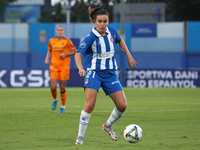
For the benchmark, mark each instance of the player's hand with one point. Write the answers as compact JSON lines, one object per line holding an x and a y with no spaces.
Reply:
{"x":132,"y":63}
{"x":63,"y":55}
{"x":46,"y":61}
{"x":82,"y":72}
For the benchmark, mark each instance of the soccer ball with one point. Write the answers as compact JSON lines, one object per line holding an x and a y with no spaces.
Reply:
{"x":133,"y":133}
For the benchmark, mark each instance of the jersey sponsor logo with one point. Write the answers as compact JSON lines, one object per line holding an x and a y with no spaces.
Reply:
{"x":83,"y":45}
{"x":58,"y":49}
{"x":105,"y":55}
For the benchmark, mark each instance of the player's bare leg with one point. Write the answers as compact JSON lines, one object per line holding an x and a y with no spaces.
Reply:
{"x":120,"y":103}
{"x":90,"y":100}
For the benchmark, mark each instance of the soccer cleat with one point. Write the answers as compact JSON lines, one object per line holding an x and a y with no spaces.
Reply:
{"x":110,"y":131}
{"x":62,"y":110}
{"x":54,"y":104}
{"x":79,"y":140}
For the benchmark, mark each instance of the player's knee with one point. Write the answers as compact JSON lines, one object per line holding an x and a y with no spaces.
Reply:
{"x":122,"y":107}
{"x":89,"y":107}
{"x":125,"y":107}
{"x":62,"y":89}
{"x":53,"y":89}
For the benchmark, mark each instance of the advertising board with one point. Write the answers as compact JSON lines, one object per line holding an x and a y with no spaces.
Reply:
{"x":19,"y":78}
{"x":163,"y":78}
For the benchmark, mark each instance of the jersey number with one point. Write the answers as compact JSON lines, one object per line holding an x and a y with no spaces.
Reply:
{"x":93,"y":74}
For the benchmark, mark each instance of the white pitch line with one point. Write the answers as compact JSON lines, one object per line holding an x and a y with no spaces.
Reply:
{"x":33,"y":106}
{"x":191,"y":103}
{"x":149,"y":102}
{"x":157,"y":102}
{"x":171,"y":110}
{"x":106,"y":111}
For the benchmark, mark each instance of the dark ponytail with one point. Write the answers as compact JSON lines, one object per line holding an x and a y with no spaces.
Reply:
{"x":93,"y":12}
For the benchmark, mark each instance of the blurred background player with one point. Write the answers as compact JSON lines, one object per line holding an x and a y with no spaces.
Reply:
{"x":60,"y":50}
{"x":100,"y":64}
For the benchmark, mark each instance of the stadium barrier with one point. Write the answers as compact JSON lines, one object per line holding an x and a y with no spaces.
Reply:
{"x":140,"y":78}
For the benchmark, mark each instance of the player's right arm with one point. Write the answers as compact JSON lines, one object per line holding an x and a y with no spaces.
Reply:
{"x":79,"y":64}
{"x":83,"y":47}
{"x":47,"y":57}
{"x":49,"y":53}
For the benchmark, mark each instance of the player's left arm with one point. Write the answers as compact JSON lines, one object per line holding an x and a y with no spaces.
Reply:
{"x":72,"y":51}
{"x":132,"y":63}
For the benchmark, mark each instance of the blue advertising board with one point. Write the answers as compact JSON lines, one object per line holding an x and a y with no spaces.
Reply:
{"x":144,"y":30}
{"x":134,"y":78}
{"x":40,"y":33}
{"x":34,"y":78}
{"x":28,"y":13}
{"x":193,"y":37}
{"x":163,"y":78}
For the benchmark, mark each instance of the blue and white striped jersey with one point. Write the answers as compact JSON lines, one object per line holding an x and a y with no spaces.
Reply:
{"x":99,"y":50}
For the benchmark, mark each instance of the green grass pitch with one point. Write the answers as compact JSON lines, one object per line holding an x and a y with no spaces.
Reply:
{"x":170,"y":119}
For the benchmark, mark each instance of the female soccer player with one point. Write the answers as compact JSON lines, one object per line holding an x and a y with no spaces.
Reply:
{"x":99,"y":70}
{"x":60,"y":50}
